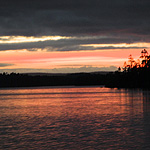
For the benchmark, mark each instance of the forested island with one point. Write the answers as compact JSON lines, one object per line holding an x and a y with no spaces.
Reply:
{"x":134,"y":74}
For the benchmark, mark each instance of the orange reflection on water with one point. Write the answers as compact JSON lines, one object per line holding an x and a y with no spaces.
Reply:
{"x":74,"y":118}
{"x":72,"y":101}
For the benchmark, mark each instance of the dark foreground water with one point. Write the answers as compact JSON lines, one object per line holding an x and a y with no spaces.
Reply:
{"x":74,"y":119}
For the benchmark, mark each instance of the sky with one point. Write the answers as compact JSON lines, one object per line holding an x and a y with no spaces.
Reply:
{"x":67,"y":36}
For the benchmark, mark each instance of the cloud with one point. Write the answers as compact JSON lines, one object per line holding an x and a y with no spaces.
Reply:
{"x":61,"y":70}
{"x":5,"y":64}
{"x":57,"y":17}
{"x":68,"y":43}
{"x":86,"y":22}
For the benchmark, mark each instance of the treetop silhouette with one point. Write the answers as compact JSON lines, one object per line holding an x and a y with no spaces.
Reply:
{"x":142,"y":62}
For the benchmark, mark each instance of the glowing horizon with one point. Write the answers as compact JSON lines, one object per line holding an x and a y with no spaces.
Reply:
{"x":51,"y":57}
{"x":65,"y":60}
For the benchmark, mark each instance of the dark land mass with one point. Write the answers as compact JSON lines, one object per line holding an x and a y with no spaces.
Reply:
{"x":44,"y":79}
{"x":134,"y":78}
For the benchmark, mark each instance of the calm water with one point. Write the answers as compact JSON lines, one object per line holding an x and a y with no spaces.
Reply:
{"x":74,"y":119}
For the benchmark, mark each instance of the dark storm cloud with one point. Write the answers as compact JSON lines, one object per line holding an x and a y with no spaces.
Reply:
{"x":75,"y":18}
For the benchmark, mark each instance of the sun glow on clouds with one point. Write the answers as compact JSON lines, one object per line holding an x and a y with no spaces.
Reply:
{"x":121,"y":45}
{"x":24,"y":39}
{"x":102,"y":55}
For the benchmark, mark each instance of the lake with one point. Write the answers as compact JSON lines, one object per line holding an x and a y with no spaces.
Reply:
{"x":74,"y":118}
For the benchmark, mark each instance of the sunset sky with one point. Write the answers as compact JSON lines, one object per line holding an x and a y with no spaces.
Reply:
{"x":65,"y":36}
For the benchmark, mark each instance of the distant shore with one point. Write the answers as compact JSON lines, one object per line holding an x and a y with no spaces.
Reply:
{"x":132,"y":79}
{"x":44,"y":79}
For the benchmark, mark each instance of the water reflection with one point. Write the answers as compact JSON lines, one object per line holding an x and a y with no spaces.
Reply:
{"x":74,"y":118}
